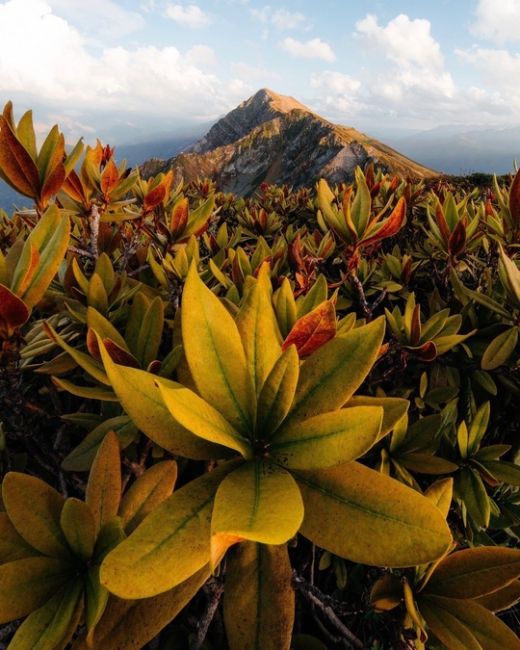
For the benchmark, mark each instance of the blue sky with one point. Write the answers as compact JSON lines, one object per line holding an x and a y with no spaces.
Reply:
{"x":129,"y":70}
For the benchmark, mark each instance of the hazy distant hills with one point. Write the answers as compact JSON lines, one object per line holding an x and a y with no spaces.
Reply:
{"x":453,"y":151}
{"x":276,"y":139}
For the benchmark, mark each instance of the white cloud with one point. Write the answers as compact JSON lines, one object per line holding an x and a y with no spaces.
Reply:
{"x":497,"y":20}
{"x":44,"y":60}
{"x":188,"y":15}
{"x":252,"y":73}
{"x":314,"y":48}
{"x":416,"y":63}
{"x":280,"y":19}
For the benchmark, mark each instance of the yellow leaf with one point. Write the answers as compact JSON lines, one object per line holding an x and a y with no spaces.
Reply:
{"x":79,"y":527}
{"x":103,"y":494}
{"x":258,"y":502}
{"x":148,"y":491}
{"x":53,"y":625}
{"x":277,"y":394}
{"x":131,"y":624}
{"x":256,"y":322}
{"x":12,"y":545}
{"x":441,"y":494}
{"x":142,"y":401}
{"x":199,"y":417}
{"x":501,"y":599}
{"x":169,"y":546}
{"x":50,"y":238}
{"x":258,"y":597}
{"x":367,"y":517}
{"x":88,"y":392}
{"x":28,"y":583}
{"x":330,"y":376}
{"x":447,"y":628}
{"x":328,"y":439}
{"x":474,"y":572}
{"x":215,"y":354}
{"x":34,"y":509}
{"x":488,"y":630}
{"x":394,"y":409}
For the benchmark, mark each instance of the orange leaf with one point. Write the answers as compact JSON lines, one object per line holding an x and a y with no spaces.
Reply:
{"x":159,"y":193}
{"x":16,"y":164}
{"x":179,"y":217}
{"x":392,"y":225}
{"x":74,"y":188}
{"x":29,"y":271}
{"x":312,"y":330}
{"x":13,"y":311}
{"x":52,"y":185}
{"x":109,"y":178}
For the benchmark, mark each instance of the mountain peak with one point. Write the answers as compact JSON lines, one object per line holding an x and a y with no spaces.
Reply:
{"x":264,"y":106}
{"x":279,"y":103}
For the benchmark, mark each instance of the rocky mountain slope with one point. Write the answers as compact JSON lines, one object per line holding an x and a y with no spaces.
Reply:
{"x":275,"y":139}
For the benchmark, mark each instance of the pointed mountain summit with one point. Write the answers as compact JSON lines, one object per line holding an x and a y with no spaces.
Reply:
{"x":273,"y":138}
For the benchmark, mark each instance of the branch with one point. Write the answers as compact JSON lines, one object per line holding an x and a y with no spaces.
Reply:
{"x":95,"y":218}
{"x":214,"y":589}
{"x":325,"y":604}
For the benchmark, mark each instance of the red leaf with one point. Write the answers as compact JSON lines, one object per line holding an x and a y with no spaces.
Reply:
{"x":313,"y":330}
{"x":74,"y":188}
{"x":427,"y":351}
{"x":457,"y":240}
{"x":120,"y":356}
{"x":158,"y":194}
{"x":53,"y":184}
{"x":13,"y":311}
{"x":442,"y":223}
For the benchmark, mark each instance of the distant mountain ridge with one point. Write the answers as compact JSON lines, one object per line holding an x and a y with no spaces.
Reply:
{"x":276,"y":139}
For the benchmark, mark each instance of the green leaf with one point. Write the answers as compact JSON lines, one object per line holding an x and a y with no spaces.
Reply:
{"x":503,"y":471}
{"x":141,"y":399}
{"x":28,"y":583}
{"x":256,"y":322}
{"x":472,"y":491}
{"x":258,"y":597}
{"x":87,"y":392}
{"x":258,"y":502}
{"x":150,"y":333}
{"x":332,"y":374}
{"x":148,"y":491}
{"x":215,"y":354}
{"x":277,"y":394}
{"x":500,"y":349}
{"x":34,"y":509}
{"x":53,"y":625}
{"x":81,"y":457}
{"x":103,"y":493}
{"x":474,"y":572}
{"x":367,"y":517}
{"x":328,"y":439}
{"x":478,"y":428}
{"x":170,"y":545}
{"x":199,"y":417}
{"x":79,"y":527}
{"x":488,"y":630}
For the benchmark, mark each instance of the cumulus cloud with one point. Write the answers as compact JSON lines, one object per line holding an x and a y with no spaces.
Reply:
{"x":314,"y":48}
{"x":410,"y":46}
{"x":497,"y":21}
{"x":280,"y":19}
{"x":46,"y":60}
{"x":188,"y":15}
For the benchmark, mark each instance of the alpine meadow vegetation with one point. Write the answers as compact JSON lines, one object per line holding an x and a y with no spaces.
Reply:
{"x":286,"y":421}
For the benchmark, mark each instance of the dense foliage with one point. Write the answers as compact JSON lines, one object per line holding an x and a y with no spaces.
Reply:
{"x":286,"y":421}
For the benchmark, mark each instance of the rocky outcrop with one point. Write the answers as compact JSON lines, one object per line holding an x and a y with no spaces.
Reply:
{"x":275,"y":139}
